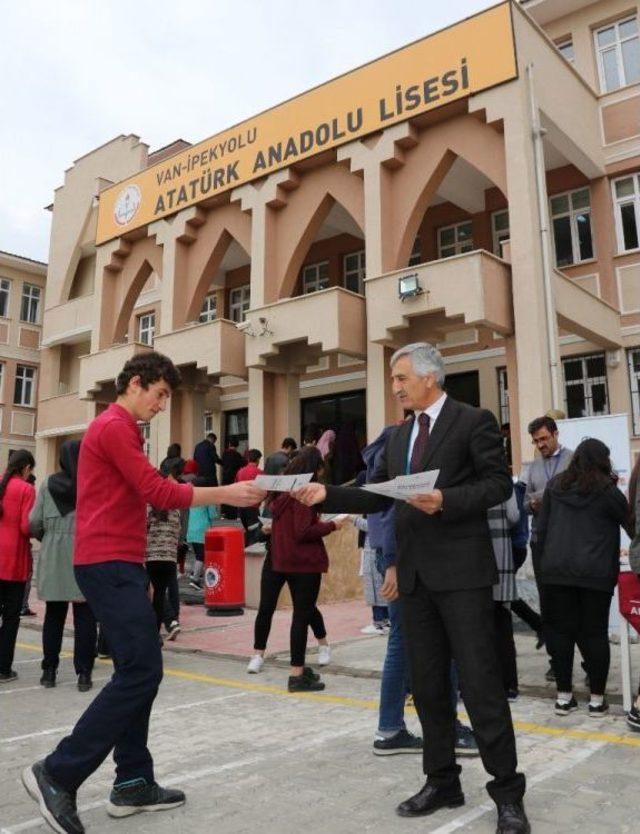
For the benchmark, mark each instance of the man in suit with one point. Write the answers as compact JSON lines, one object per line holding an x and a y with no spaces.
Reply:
{"x":445,"y":573}
{"x":206,"y":456}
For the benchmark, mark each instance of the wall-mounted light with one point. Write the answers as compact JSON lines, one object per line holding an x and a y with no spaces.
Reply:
{"x":409,"y":286}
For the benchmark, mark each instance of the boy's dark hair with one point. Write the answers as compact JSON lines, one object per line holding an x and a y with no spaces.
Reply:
{"x":543,"y":423}
{"x":308,"y":460}
{"x":233,"y":442}
{"x":150,"y":367}
{"x":289,"y":443}
{"x":254,"y":455}
{"x":213,"y":437}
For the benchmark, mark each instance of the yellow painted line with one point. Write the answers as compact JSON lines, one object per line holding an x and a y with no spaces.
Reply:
{"x":361,"y":703}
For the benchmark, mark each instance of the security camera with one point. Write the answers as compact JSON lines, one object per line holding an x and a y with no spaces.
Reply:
{"x":243,"y":325}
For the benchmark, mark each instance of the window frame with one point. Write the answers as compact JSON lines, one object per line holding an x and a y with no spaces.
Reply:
{"x":238,"y":308}
{"x":588,"y":382}
{"x":6,"y":290}
{"x":617,"y":45}
{"x":415,"y":258}
{"x":573,"y":225}
{"x":503,"y":395}
{"x":145,"y":431}
{"x":563,"y":44}
{"x":205,"y":314}
{"x":310,"y":277}
{"x":360,"y":271}
{"x":635,"y":394}
{"x":496,"y":240}
{"x":617,"y":210}
{"x":32,"y":382}
{"x":31,"y":293}
{"x":457,"y":244}
{"x":150,"y":328}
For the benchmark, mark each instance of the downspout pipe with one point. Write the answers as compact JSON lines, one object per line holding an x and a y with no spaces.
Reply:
{"x":537,"y":132}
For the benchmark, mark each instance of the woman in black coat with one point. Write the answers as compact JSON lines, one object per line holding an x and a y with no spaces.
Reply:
{"x":579,"y":538}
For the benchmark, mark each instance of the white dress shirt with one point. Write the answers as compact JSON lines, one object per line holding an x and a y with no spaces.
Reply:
{"x":433,"y":412}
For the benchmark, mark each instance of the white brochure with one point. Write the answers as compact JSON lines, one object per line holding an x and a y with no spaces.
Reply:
{"x":282,"y":483}
{"x":406,"y":486}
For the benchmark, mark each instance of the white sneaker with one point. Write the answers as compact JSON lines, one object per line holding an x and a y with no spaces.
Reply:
{"x":255,"y":664}
{"x":324,"y":655}
{"x":373,"y":628}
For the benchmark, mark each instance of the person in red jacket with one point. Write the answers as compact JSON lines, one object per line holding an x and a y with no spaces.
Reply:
{"x":115,"y":484}
{"x":298,"y":552}
{"x":17,"y":497}
{"x":250,"y":516}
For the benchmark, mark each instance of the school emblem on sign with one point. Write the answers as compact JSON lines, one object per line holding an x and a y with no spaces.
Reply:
{"x":127,"y":205}
{"x":212,"y":577}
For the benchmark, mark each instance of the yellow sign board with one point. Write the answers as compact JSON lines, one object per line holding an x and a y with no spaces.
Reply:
{"x":470,"y":56}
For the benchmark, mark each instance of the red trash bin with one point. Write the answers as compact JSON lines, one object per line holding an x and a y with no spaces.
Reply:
{"x":224,"y":571}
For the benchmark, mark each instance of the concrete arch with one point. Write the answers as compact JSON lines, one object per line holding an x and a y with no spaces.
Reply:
{"x":307,"y":208}
{"x":203,"y":256}
{"x":123,"y":285}
{"x":416,"y":182}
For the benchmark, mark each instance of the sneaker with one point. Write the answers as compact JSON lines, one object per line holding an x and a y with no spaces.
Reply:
{"x":7,"y":677}
{"x":373,"y":628}
{"x":173,"y":630}
{"x":138,"y":795}
{"x":57,"y":806}
{"x":104,"y":655}
{"x":565,"y":707}
{"x":48,"y":678}
{"x":633,"y":719}
{"x":303,"y":683}
{"x":309,"y":673}
{"x":324,"y":655}
{"x":466,"y":744}
{"x":596,"y":710}
{"x":196,"y":584}
{"x":84,"y":682}
{"x":402,"y":742}
{"x":512,"y":695}
{"x":255,"y":665}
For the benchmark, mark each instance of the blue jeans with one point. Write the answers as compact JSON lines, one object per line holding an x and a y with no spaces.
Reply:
{"x":118,"y":718}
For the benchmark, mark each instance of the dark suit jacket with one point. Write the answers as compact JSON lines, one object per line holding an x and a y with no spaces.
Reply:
{"x":450,"y":550}
{"x":206,"y":456}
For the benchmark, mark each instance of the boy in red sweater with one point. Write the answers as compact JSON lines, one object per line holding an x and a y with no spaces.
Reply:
{"x":115,"y":484}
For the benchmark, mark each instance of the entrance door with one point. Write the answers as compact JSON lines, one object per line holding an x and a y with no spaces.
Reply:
{"x":346,"y":414}
{"x":464,"y":387}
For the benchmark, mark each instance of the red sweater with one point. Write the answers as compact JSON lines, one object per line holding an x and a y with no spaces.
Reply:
{"x":15,"y":555}
{"x":115,"y":484}
{"x":296,"y":537}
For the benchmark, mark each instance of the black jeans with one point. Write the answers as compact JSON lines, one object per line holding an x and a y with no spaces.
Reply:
{"x":11,"y":594}
{"x":85,"y":633}
{"x":506,"y":646}
{"x":304,"y":588}
{"x":160,"y":574}
{"x":118,"y":718}
{"x":440,"y":626}
{"x":271,"y":583}
{"x":578,"y":616}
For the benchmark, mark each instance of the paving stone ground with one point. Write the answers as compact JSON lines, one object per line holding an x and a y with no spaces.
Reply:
{"x":253,"y":758}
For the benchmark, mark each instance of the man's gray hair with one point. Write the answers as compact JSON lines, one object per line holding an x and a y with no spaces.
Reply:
{"x":425,"y":359}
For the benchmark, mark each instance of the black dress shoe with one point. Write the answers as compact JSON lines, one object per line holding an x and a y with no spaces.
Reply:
{"x":84,"y":682}
{"x":430,"y":799}
{"x":48,"y":679}
{"x":512,"y":819}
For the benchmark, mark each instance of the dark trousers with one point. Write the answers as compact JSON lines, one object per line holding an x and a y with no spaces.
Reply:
{"x":172,"y":601}
{"x":304,"y":588}
{"x":439,"y":625}
{"x":578,"y":616}
{"x":118,"y":718}
{"x":84,"y":635}
{"x":160,"y":575}
{"x":11,"y":594}
{"x":271,"y":583}
{"x":506,"y":645}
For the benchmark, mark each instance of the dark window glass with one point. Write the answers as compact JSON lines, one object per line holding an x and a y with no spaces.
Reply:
{"x":596,"y":366}
{"x":464,"y":387}
{"x":584,"y":236}
{"x":576,"y":401}
{"x":572,"y":370}
{"x":562,"y":237}
{"x":629,"y":228}
{"x":599,"y":398}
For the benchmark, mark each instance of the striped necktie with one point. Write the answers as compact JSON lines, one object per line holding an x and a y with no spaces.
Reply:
{"x":420,"y":443}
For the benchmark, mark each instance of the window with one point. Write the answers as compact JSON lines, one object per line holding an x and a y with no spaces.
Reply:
{"x":145,"y":431}
{"x":24,"y":389}
{"x":415,"y":257}
{"x":236,"y":424}
{"x":503,"y":395}
{"x":571,"y":217}
{"x":454,"y":240}
{"x":147,"y":328}
{"x":209,"y":308}
{"x":239,"y":301}
{"x":626,"y":198}
{"x":207,"y":423}
{"x":618,"y":51}
{"x":585,"y":385}
{"x":354,"y":272}
{"x":499,"y":231}
{"x":5,"y":289}
{"x":30,"y":309}
{"x":565,"y":48}
{"x":633,"y":360}
{"x":315,"y":277}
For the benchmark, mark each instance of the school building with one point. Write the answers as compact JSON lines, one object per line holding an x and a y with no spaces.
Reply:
{"x":478,"y":188}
